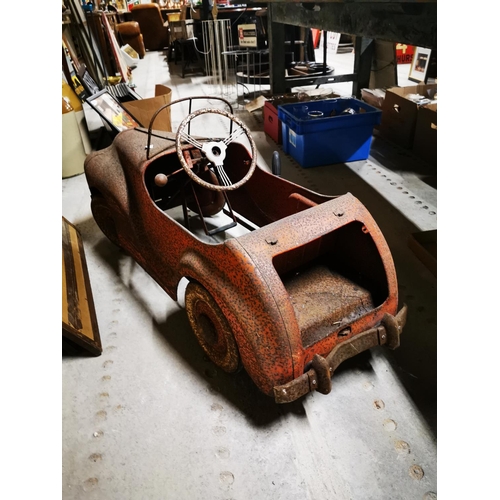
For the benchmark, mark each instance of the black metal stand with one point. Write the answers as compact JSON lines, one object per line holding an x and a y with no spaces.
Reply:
{"x":228,"y":211}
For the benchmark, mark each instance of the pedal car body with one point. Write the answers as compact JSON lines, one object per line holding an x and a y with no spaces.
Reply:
{"x":308,"y":283}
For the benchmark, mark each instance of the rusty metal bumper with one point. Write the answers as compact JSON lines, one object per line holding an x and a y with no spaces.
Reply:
{"x":318,"y":378}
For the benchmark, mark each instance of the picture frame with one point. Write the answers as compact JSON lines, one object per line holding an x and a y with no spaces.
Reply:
{"x":420,"y":65}
{"x":112,"y":112}
{"x":79,"y":322}
{"x":115,"y":49}
{"x":89,"y":84}
{"x":121,"y":5}
{"x":123,"y":92}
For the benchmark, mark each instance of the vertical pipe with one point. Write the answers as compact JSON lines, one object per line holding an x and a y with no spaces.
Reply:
{"x":224,"y":48}
{"x":325,"y":36}
{"x":276,"y":41}
{"x":218,"y":50}
{"x":190,"y":107}
{"x":363,"y":55}
{"x":212,"y":48}
{"x":248,"y":69}
{"x":206,"y":48}
{"x":260,"y":72}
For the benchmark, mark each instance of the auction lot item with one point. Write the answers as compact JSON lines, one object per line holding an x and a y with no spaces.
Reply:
{"x":307,"y":282}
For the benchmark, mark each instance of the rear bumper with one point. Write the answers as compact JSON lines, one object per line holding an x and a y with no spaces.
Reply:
{"x":318,"y":378}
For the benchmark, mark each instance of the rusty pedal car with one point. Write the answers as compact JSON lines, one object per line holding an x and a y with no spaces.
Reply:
{"x":308,"y":283}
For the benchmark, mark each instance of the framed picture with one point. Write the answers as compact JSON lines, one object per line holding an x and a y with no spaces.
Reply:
{"x":121,"y":5}
{"x":112,"y":112}
{"x":420,"y":65}
{"x":79,"y":321}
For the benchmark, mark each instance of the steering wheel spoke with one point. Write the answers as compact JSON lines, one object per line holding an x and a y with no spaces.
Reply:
{"x":191,"y":140}
{"x":215,"y":151}
{"x":233,"y":136}
{"x":223,"y":177}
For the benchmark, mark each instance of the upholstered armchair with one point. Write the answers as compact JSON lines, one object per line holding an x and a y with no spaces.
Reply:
{"x":154,"y":33}
{"x":130,"y":33}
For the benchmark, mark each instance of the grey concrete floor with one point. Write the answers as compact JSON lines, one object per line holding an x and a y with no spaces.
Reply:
{"x":152,"y":418}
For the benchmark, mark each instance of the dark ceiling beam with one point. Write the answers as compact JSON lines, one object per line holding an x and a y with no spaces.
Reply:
{"x":346,"y":1}
{"x":412,"y":23}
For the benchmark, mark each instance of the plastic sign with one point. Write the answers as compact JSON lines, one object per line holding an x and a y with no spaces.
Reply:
{"x":404,"y":53}
{"x":247,"y":35}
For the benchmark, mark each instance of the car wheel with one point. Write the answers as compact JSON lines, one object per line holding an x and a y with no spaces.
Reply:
{"x":104,"y":219}
{"x":211,"y":328}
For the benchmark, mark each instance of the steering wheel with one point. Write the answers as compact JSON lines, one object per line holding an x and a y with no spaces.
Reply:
{"x":214,"y":150}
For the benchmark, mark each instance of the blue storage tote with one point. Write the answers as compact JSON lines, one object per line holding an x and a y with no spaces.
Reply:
{"x":317,"y":133}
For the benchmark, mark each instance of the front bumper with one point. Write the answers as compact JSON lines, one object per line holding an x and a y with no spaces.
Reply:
{"x":318,"y":378}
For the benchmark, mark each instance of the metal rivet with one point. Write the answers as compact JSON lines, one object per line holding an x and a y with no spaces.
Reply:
{"x":383,"y":336}
{"x":416,"y":472}
{"x":284,"y":391}
{"x":314,"y":382}
{"x":150,"y":147}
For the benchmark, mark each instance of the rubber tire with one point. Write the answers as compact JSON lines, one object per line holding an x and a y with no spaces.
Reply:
{"x":211,"y":328}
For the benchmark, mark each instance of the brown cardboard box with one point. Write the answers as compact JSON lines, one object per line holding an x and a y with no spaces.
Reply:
{"x":425,"y":140}
{"x":144,"y":109}
{"x":399,"y":114}
{"x":373,"y":97}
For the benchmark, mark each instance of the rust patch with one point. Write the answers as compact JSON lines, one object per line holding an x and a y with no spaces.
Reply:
{"x":323,"y":301}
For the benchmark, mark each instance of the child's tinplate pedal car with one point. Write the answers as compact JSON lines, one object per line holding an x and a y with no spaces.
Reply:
{"x":308,"y":282}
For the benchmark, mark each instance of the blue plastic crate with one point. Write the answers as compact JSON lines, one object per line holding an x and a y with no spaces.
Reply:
{"x":317,"y":133}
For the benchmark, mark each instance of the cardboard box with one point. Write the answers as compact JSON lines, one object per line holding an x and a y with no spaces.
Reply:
{"x":399,"y":113}
{"x":425,"y":139}
{"x":144,"y":109}
{"x":373,"y":97}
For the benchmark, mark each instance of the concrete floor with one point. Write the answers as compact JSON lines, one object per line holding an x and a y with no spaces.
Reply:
{"x":152,"y":418}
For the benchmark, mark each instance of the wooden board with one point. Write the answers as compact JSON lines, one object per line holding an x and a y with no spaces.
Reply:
{"x":79,"y":322}
{"x":119,"y":59}
{"x":424,"y":245}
